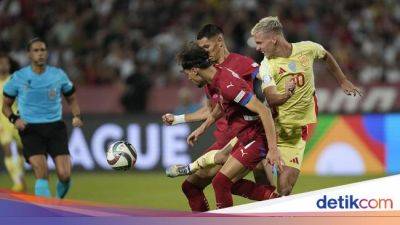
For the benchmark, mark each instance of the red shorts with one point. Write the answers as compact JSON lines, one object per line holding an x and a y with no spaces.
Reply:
{"x":251,"y":153}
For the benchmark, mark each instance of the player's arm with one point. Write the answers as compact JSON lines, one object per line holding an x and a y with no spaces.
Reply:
{"x":265,"y":115}
{"x":274,"y":98}
{"x":215,"y":114}
{"x":334,"y":68}
{"x":75,"y":109}
{"x":199,"y":115}
{"x":8,"y":101}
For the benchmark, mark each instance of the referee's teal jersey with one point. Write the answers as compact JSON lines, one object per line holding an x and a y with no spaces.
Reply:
{"x":39,"y":95}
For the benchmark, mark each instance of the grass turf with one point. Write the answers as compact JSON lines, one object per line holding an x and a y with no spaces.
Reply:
{"x":153,"y":189}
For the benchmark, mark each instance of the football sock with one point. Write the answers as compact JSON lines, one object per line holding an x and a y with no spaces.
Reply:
{"x":203,"y":161}
{"x":42,"y":188}
{"x":251,"y":190}
{"x":222,"y":188}
{"x":62,"y":188}
{"x":197,"y":199}
{"x":14,"y":169}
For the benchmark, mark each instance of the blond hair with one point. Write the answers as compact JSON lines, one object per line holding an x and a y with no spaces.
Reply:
{"x":268,"y":24}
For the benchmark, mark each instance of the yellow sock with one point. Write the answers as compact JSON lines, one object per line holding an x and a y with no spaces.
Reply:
{"x":204,"y":161}
{"x":13,"y":169}
{"x":19,"y":167}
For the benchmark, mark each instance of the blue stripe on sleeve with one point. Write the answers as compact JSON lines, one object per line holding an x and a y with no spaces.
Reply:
{"x":255,"y":72}
{"x":246,"y":99}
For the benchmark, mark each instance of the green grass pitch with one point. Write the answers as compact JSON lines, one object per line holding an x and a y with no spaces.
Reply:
{"x":153,"y":189}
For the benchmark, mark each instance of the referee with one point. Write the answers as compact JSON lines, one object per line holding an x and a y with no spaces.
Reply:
{"x":38,"y":88}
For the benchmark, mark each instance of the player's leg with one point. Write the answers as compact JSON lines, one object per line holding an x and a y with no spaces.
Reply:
{"x":263,"y":173}
{"x":291,"y":143}
{"x":287,"y":179}
{"x":63,"y":168}
{"x":229,"y":178}
{"x":34,"y":149}
{"x":20,"y":171}
{"x":194,"y":185}
{"x":214,"y":156}
{"x":58,"y":149}
{"x":39,"y":166}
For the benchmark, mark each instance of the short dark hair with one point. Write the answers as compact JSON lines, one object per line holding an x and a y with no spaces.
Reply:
{"x":209,"y":31}
{"x":32,"y":41}
{"x":193,"y":56}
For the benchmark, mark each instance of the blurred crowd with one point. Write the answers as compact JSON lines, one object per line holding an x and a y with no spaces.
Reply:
{"x":134,"y":42}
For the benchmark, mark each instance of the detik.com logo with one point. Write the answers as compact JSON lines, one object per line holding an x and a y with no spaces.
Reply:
{"x":351,"y":202}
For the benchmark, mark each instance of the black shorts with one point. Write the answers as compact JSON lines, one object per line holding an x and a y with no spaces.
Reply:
{"x":45,"y":138}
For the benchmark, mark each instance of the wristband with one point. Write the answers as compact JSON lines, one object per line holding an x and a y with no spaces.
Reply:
{"x":179,"y":119}
{"x":12,"y":118}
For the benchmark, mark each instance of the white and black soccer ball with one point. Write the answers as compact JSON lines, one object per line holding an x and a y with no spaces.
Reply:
{"x":121,"y":155}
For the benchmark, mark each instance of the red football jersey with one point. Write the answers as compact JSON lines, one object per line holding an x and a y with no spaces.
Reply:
{"x":234,"y":93}
{"x":246,"y":68}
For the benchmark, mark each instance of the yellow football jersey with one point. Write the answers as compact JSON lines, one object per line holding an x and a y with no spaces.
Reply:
{"x":299,"y":110}
{"x":14,"y":107}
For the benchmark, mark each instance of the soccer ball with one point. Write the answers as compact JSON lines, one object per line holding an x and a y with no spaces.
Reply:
{"x":121,"y":155}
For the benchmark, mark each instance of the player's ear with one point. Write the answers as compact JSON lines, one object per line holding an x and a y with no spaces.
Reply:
{"x":220,"y":40}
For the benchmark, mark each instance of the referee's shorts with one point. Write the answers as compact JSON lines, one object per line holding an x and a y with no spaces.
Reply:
{"x":45,"y":138}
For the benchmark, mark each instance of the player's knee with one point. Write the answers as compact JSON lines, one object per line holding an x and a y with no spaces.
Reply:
{"x":188,"y":188}
{"x":285,"y":189}
{"x":220,"y":158}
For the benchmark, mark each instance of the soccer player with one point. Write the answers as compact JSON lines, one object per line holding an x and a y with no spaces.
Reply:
{"x":8,"y":134}
{"x":210,"y":37}
{"x":249,"y":120}
{"x":293,"y":61}
{"x":38,"y":88}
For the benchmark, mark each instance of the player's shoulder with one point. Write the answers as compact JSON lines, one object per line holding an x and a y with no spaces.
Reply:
{"x":56,"y":70}
{"x":304,"y":45}
{"x":21,"y":73}
{"x":244,"y":60}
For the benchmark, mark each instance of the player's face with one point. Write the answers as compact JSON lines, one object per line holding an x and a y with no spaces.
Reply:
{"x":4,"y":66}
{"x":212,"y":45}
{"x":265,"y":43}
{"x":193,"y":75}
{"x":38,"y":53}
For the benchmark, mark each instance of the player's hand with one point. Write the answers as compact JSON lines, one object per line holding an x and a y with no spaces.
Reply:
{"x":77,"y":122}
{"x":168,"y":119}
{"x":194,"y":136}
{"x":350,"y":89}
{"x":290,"y":85}
{"x":20,"y":124}
{"x":274,"y":158}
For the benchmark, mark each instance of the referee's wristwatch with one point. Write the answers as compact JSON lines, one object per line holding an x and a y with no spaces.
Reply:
{"x":13,"y":118}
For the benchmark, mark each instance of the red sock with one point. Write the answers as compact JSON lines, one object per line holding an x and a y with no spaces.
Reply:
{"x":195,"y":196}
{"x":251,"y":190}
{"x":222,"y":188}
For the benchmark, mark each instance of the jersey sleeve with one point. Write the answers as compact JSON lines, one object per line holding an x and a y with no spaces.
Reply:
{"x":66,"y":85}
{"x":265,"y":75}
{"x":317,"y":50}
{"x":10,"y":88}
{"x":236,"y":90}
{"x":249,"y":68}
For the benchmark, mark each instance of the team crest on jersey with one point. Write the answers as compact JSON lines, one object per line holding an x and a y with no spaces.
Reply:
{"x":303,"y":60}
{"x":292,"y":66}
{"x":52,"y":93}
{"x":266,"y":79}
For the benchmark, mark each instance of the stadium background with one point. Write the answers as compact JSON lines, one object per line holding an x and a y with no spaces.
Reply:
{"x":120,"y":54}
